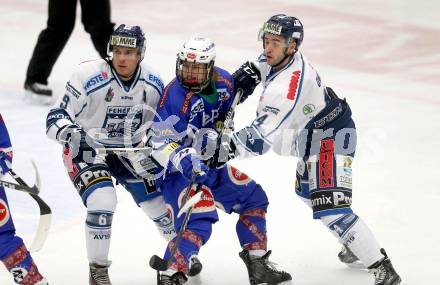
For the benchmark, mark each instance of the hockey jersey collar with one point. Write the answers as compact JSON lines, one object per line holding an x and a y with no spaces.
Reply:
{"x":119,"y":81}
{"x":271,"y":75}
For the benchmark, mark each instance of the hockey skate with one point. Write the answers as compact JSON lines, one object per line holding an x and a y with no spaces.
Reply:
{"x":262,"y":271}
{"x":195,"y":266}
{"x":99,"y":274}
{"x":177,"y":278}
{"x":37,"y":89}
{"x":384,"y":273}
{"x":349,"y":258}
{"x":37,"y":93}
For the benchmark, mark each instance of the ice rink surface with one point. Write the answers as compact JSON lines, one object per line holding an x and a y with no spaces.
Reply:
{"x":383,"y":56}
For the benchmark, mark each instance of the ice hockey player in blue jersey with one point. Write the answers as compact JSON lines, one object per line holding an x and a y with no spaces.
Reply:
{"x":13,"y":252}
{"x":298,"y":115}
{"x":108,"y":103}
{"x":192,"y":108}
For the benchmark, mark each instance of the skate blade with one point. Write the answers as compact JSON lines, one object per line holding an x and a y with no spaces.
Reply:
{"x":288,"y":282}
{"x":37,"y":99}
{"x":356,"y":265}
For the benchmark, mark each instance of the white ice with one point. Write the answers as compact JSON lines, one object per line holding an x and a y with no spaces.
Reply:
{"x":383,"y":56}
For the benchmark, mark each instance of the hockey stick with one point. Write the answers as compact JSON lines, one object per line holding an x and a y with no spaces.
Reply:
{"x":161,"y":264}
{"x":45,"y":211}
{"x":18,"y":187}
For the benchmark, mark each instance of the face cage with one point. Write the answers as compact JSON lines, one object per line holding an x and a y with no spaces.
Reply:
{"x":194,"y":85}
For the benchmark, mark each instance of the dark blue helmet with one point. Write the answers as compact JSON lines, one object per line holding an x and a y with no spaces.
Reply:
{"x":287,"y":26}
{"x":128,"y":36}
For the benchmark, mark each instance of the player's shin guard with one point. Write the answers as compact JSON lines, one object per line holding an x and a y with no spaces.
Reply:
{"x":21,"y":265}
{"x":100,"y":207}
{"x":251,"y":231}
{"x":156,"y":210}
{"x":355,"y":234}
{"x":197,"y":233}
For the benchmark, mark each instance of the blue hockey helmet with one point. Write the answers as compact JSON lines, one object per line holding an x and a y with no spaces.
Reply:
{"x":288,"y":27}
{"x":127,"y":36}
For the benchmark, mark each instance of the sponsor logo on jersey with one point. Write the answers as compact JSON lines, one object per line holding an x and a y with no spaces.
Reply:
{"x":206,"y":204}
{"x":123,"y":41}
{"x":293,"y":85}
{"x":223,"y":94}
{"x":95,"y":80}
{"x":110,"y":94}
{"x":4,"y":213}
{"x":238,"y":177}
{"x":309,"y":108}
{"x":326,"y":164}
{"x":156,"y":80}
{"x":197,"y":107}
{"x":72,"y":90}
{"x":324,"y":200}
{"x":90,"y":177}
{"x":126,"y":98}
{"x":272,"y":110}
{"x":329,"y":117}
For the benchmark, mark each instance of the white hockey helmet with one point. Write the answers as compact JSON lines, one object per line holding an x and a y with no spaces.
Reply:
{"x":195,"y":63}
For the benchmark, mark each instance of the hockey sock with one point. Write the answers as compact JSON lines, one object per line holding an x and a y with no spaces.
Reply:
{"x":355,"y":234}
{"x":100,"y":207}
{"x":251,"y":230}
{"x":156,"y":210}
{"x":22,"y":267}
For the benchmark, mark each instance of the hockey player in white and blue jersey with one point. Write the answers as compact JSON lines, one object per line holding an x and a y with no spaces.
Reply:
{"x":298,"y":115}
{"x":109,"y":103}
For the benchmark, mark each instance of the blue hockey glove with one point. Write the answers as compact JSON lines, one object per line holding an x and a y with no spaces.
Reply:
{"x":189,"y":163}
{"x":246,"y":78}
{"x":74,"y":137}
{"x":5,"y":162}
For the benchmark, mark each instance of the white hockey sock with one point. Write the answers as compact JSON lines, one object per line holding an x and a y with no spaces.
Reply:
{"x":354,"y":233}
{"x":100,"y":207}
{"x":157,"y":211}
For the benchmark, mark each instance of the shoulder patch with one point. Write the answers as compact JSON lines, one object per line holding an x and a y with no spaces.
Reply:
{"x":221,"y":79}
{"x":95,"y":80}
{"x":155,"y":80}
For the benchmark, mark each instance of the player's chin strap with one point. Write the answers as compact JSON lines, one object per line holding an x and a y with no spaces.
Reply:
{"x":45,"y":211}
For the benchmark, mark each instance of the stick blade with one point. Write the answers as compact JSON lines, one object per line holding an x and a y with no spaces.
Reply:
{"x":158,"y":263}
{"x":42,"y":232}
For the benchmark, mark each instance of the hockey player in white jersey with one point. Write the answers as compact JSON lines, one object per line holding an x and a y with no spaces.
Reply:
{"x":109,"y":103}
{"x":298,"y":115}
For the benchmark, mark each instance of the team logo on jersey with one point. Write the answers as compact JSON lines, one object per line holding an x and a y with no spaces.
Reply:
{"x":110,"y":94}
{"x":122,"y":120}
{"x":206,"y":204}
{"x":4,"y":213}
{"x":309,"y":108}
{"x":237,"y":176}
